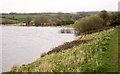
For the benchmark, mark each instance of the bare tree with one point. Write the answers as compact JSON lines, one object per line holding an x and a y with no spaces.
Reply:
{"x":28,"y":20}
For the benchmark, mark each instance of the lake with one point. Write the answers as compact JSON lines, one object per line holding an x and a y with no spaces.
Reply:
{"x":23,"y":45}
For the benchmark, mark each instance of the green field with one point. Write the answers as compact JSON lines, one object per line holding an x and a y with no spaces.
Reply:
{"x":16,"y":18}
{"x":98,"y":55}
{"x":51,"y":18}
{"x":21,"y":17}
{"x":10,"y":21}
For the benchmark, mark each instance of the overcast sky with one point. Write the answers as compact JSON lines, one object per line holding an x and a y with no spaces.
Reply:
{"x":24,"y":6}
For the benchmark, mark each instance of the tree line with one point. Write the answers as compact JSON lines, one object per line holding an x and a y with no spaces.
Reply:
{"x":43,"y":19}
{"x":97,"y":22}
{"x":54,"y":20}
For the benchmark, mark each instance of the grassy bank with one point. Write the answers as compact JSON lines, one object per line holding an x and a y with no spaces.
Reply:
{"x":97,"y":55}
{"x":7,"y":21}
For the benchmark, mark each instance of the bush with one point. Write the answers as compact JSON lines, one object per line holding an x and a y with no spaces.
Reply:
{"x":105,"y":16}
{"x":41,"y":21}
{"x":28,"y":20}
{"x":87,"y":24}
{"x":115,"y":19}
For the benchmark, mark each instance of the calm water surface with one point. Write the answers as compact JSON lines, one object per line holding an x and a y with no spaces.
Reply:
{"x":23,"y":45}
{"x":0,"y":49}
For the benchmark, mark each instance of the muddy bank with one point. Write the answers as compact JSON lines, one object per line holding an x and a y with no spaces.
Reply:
{"x":66,"y":46}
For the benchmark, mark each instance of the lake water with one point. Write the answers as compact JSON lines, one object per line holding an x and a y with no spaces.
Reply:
{"x":23,"y":45}
{"x":0,"y":49}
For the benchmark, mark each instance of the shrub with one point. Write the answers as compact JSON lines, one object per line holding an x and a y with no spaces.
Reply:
{"x":41,"y":21}
{"x":105,"y":16}
{"x":115,"y":19}
{"x":87,"y":24}
{"x":28,"y":19}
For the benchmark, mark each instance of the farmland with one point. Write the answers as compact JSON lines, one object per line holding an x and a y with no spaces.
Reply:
{"x":53,"y":18}
{"x":16,"y":18}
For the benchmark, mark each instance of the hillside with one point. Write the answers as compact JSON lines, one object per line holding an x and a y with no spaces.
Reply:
{"x":98,"y":55}
{"x":6,"y":21}
{"x":56,"y":19}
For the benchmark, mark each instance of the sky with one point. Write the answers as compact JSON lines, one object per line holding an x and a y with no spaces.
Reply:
{"x":33,"y":6}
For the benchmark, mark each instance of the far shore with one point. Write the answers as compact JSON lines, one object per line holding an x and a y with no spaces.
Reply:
{"x":19,"y":25}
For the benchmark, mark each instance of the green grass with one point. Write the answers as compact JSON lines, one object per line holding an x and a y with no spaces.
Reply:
{"x":11,"y":22}
{"x":20,"y":18}
{"x":0,"y":20}
{"x":95,"y":56}
{"x":6,"y":20}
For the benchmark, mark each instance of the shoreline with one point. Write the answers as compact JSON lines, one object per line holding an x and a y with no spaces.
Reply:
{"x":38,"y":26}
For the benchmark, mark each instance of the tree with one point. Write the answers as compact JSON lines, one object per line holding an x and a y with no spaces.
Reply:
{"x":28,"y":20}
{"x":41,"y":21}
{"x":86,"y":24}
{"x":105,"y":16}
{"x":115,"y":19}
{"x":64,"y":19}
